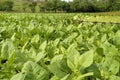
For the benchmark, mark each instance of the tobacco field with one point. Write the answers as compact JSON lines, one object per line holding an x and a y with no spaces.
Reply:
{"x":59,"y":47}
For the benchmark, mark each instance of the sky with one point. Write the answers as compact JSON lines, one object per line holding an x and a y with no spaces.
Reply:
{"x":67,"y":0}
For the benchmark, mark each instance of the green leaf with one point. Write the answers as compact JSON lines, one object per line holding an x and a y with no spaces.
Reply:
{"x":104,"y":38}
{"x":11,"y":60}
{"x":113,"y":77}
{"x":40,"y":56}
{"x":55,"y":68}
{"x":63,"y":50}
{"x":109,"y":49}
{"x":117,"y":38}
{"x":7,"y":49}
{"x":73,"y":57}
{"x":58,"y":66}
{"x":43,"y":46}
{"x":69,"y":27}
{"x":86,"y":59}
{"x":79,"y":39}
{"x":57,"y":58}
{"x":112,"y":50}
{"x":54,"y":78}
{"x":100,"y":51}
{"x":84,"y":75}
{"x":70,"y":38}
{"x":56,"y":42}
{"x":2,"y":29}
{"x":65,"y":77}
{"x":32,"y":53}
{"x":34,"y":70}
{"x":23,"y":48}
{"x":71,"y":65}
{"x":93,"y":68}
{"x":13,"y":37}
{"x":114,"y":67}
{"x":4,"y":51}
{"x":35,"y":38}
{"x":19,"y":76}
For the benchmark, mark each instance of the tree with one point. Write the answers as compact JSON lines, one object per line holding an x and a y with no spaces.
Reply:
{"x":46,"y":6}
{"x":75,"y":5}
{"x":32,"y":6}
{"x":55,"y":4}
{"x":7,"y":5}
{"x":24,"y":6}
{"x":42,"y":7}
{"x":115,"y":5}
{"x":1,"y":6}
{"x":65,"y":6}
{"x":51,"y":5}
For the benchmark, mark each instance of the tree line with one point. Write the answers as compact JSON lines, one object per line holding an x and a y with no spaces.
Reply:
{"x":62,"y":6}
{"x":6,"y":5}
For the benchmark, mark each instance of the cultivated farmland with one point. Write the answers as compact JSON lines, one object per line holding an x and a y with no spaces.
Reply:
{"x":59,"y":47}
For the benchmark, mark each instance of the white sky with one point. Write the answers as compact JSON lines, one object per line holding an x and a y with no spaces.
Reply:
{"x":67,"y":0}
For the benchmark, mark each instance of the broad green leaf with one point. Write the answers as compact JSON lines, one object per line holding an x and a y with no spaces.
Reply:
{"x":65,"y":78}
{"x":95,"y":69}
{"x":56,"y":42}
{"x":35,"y":38}
{"x":106,"y":63}
{"x":63,"y":50}
{"x":4,"y":50}
{"x":57,"y":58}
{"x":11,"y":60}
{"x":69,"y":27}
{"x":54,"y":78}
{"x":19,"y":76}
{"x":100,"y":51}
{"x":117,"y":38}
{"x":84,"y":75}
{"x":43,"y":46}
{"x":114,"y":67}
{"x":71,"y":65}
{"x":113,"y":77}
{"x":104,"y":38}
{"x":31,"y":26}
{"x":86,"y":59}
{"x":76,"y":17}
{"x":7,"y":49}
{"x":55,"y":68}
{"x":112,"y":50}
{"x":73,"y":57}
{"x":2,"y":29}
{"x":109,"y":49}
{"x":69,"y":39}
{"x":32,"y":53}
{"x":79,"y":39}
{"x":34,"y":70}
{"x":40,"y":56}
